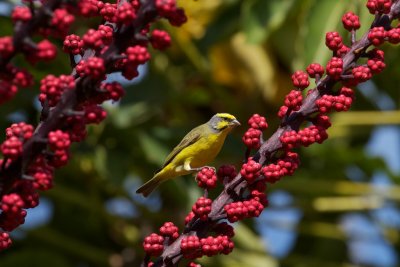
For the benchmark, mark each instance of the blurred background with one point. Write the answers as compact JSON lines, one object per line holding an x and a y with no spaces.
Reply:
{"x":341,"y":208}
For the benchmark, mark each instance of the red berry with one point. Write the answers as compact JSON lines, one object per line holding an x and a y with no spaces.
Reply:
{"x":89,"y":8}
{"x":189,"y":217}
{"x":10,"y":221}
{"x":114,"y":91}
{"x":351,"y":21}
{"x":51,"y":88}
{"x":202,"y":208}
{"x":361,"y":74}
{"x":93,"y":39}
{"x":92,"y":67}
{"x":250,"y":170}
{"x":293,"y":100}
{"x":73,"y":44}
{"x":210,"y":246}
{"x":322,"y":121}
{"x":12,"y":203}
{"x":258,"y":122}
{"x":206,"y":178}
{"x":105,"y":33}
{"x":177,"y":17}
{"x":6,"y":46}
{"x":153,"y":245}
{"x":109,"y":11}
{"x":393,"y":35}
{"x":61,"y":21}
{"x":169,"y":230}
{"x":21,"y":13}
{"x":312,"y":134}
{"x":300,"y":79}
{"x":283,"y":111}
{"x":94,"y":114}
{"x":236,"y":211}
{"x":160,"y":39}
{"x":290,"y":139}
{"x":165,"y":7}
{"x":377,"y":35}
{"x":342,"y":51}
{"x":315,"y":69}
{"x":22,"y":77}
{"x":20,"y":130}
{"x":58,"y":140}
{"x":12,"y":148}
{"x":379,"y":6}
{"x":191,"y":247}
{"x":334,"y":68}
{"x":137,"y":55}
{"x":251,"y":138}
{"x":5,"y":240}
{"x":333,"y":41}
{"x":126,"y":13}
{"x":45,"y":51}
{"x":376,"y":65}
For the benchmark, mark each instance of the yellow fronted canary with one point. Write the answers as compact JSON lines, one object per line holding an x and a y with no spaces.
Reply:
{"x":199,"y":147}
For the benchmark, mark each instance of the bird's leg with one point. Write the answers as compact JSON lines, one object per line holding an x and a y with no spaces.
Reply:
{"x":187,"y":167}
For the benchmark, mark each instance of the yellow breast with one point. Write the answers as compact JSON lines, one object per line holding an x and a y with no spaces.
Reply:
{"x":203,"y":151}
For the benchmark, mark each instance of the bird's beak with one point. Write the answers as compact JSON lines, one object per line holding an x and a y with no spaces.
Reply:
{"x":235,"y":123}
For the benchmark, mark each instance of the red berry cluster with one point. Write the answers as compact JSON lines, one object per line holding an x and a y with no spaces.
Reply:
{"x":70,"y":102}
{"x":250,"y":170}
{"x":315,"y":70}
{"x":206,"y":178}
{"x":304,"y":137}
{"x":333,"y":41}
{"x":351,"y":21}
{"x":211,"y":246}
{"x":191,"y":247}
{"x":169,"y":230}
{"x":52,"y":87}
{"x":16,"y":135}
{"x":252,"y":137}
{"x":153,"y":244}
{"x":285,"y":166}
{"x":379,"y":6}
{"x":341,"y":102}
{"x":202,"y":208}
{"x":5,"y":240}
{"x":300,"y":80}
{"x":240,"y":210}
{"x":334,"y":68}
{"x":160,"y":39}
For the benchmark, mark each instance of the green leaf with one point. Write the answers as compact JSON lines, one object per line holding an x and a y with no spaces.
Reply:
{"x":260,"y":17}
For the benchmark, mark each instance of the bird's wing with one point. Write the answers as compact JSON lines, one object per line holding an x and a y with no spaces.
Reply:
{"x":192,"y":137}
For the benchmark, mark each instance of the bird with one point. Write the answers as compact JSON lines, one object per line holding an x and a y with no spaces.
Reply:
{"x":199,"y":147}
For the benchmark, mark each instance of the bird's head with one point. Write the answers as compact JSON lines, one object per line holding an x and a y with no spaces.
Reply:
{"x":223,"y":121}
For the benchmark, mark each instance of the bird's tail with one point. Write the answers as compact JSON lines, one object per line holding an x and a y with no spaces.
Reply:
{"x":149,"y":186}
